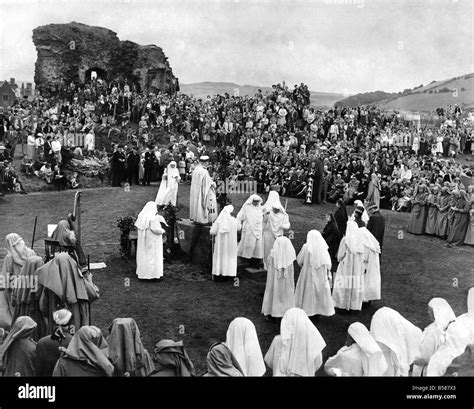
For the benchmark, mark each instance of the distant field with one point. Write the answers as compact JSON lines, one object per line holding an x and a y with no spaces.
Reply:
{"x":414,"y":269}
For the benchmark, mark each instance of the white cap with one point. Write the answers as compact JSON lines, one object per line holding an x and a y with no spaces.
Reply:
{"x":62,"y":317}
{"x":204,"y":158}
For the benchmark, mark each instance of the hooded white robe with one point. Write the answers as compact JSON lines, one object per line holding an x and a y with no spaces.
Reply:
{"x":242,"y":340}
{"x":313,"y":290}
{"x":372,"y":278}
{"x":274,"y":224}
{"x":279,"y":294}
{"x":362,"y":358}
{"x":297,"y":351}
{"x":150,"y":243}
{"x":434,"y":334}
{"x":168,"y":191}
{"x":251,"y":219}
{"x":224,"y":257}
{"x":398,"y":339}
{"x":467,"y":319}
{"x":348,"y":284}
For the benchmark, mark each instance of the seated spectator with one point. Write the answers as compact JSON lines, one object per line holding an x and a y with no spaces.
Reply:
{"x":26,"y":166}
{"x":46,"y":173}
{"x":171,"y":359}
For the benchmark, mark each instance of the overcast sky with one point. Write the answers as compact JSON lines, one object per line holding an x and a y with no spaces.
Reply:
{"x":332,"y":45}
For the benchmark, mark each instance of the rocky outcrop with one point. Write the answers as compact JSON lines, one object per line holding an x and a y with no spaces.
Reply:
{"x":70,"y":52}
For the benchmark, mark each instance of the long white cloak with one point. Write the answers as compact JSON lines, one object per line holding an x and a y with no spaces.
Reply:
{"x":224,"y":258}
{"x":168,"y":191}
{"x":347,"y":362}
{"x":201,"y":196}
{"x":372,"y":278}
{"x":348,"y":284}
{"x":251,"y":241}
{"x":274,"y":225}
{"x":150,"y":251}
{"x":313,"y":291}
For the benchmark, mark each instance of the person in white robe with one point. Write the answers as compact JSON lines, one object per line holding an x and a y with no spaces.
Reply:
{"x":441,"y":315}
{"x":467,"y":319}
{"x":168,"y":191}
{"x":398,"y":339}
{"x":313,"y":289}
{"x":224,"y":257}
{"x":242,"y":340}
{"x":250,"y":217}
{"x":365,"y":215}
{"x":348,"y":284}
{"x":297,"y":351}
{"x":279,"y":294}
{"x":275,"y":222}
{"x":360,"y":356}
{"x":150,"y":243}
{"x":372,"y":278}
{"x":455,"y":343}
{"x":202,"y":198}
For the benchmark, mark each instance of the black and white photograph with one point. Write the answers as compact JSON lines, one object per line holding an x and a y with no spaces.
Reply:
{"x":236,"y":188}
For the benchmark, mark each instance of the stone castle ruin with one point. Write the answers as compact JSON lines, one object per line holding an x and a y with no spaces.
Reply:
{"x":75,"y":53}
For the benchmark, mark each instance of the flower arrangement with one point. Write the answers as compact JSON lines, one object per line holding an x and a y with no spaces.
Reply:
{"x":126,"y":224}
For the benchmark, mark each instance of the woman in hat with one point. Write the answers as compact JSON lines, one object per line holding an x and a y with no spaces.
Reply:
{"x":171,"y":359}
{"x":47,"y":348}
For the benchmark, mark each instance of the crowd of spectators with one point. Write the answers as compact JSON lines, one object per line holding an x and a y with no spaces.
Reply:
{"x":275,"y":138}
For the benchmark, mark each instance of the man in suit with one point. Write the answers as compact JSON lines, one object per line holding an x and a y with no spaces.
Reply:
{"x":376,"y":223}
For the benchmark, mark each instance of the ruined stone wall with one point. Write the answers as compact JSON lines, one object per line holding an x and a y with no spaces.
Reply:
{"x":67,"y":51}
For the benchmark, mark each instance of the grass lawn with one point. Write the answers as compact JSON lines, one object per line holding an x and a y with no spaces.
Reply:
{"x":186,"y":305}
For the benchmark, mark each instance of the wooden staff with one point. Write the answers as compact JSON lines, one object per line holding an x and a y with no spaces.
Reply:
{"x":34,"y":232}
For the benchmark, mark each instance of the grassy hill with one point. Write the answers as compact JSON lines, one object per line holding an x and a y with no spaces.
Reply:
{"x":457,"y":90}
{"x":203,"y":89}
{"x":423,"y":98}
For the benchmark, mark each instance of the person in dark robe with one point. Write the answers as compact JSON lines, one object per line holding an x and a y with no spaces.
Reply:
{"x":65,"y":235}
{"x":332,"y":235}
{"x":460,"y":219}
{"x":341,"y":216}
{"x":150,"y":159}
{"x":133,"y":164}
{"x":432,"y":203}
{"x":117,"y":164}
{"x":444,"y":204}
{"x":47,"y":348}
{"x":318,"y":174}
{"x":221,"y":362}
{"x":359,"y":211}
{"x":126,"y":351}
{"x":376,"y":223}
{"x":24,"y":298}
{"x":17,"y":353}
{"x":62,"y":285}
{"x":171,"y":359}
{"x":86,"y":355}
{"x":419,"y":212}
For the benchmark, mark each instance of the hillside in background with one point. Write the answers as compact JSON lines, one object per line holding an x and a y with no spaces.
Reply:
{"x":423,"y":98}
{"x":203,"y":89}
{"x":366,"y":98}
